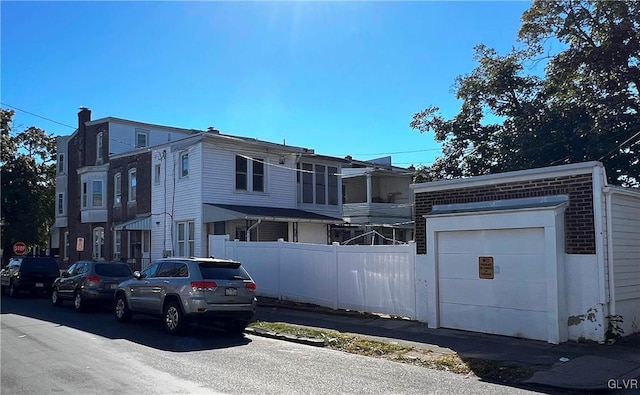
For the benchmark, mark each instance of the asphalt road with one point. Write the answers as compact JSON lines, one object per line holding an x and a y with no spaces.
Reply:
{"x":48,"y":350}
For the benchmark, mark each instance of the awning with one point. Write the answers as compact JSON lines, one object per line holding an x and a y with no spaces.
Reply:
{"x":228,"y":212}
{"x":140,"y":223}
{"x":499,"y":205}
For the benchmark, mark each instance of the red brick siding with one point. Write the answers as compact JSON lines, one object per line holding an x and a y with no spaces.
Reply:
{"x":579,"y":217}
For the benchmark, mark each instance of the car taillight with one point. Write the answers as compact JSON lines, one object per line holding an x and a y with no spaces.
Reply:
{"x":251,"y":286}
{"x":93,"y":279}
{"x":203,"y":285}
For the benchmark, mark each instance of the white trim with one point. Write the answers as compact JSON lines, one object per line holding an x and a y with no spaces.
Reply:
{"x":631,"y":192}
{"x":598,"y":183}
{"x":509,"y":177}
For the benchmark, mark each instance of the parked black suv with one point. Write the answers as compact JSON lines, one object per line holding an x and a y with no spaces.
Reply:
{"x":89,"y":282}
{"x":29,"y":273}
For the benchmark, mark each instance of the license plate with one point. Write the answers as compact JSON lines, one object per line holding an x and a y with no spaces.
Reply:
{"x":39,"y":285}
{"x":114,"y":286}
{"x":231,"y":292}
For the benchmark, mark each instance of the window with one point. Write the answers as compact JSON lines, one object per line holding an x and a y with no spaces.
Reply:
{"x":333,"y":186}
{"x":98,"y":243}
{"x":258,"y":175}
{"x":307,"y":183}
{"x":99,"y":148}
{"x":60,"y":163}
{"x":66,"y":247}
{"x":142,"y":138}
{"x":150,"y":271}
{"x":85,"y":187}
{"x":186,"y":238}
{"x":166,"y":269}
{"x":146,"y":241}
{"x":241,"y":173}
{"x":184,"y":164}
{"x":132,"y":185}
{"x":156,"y":175}
{"x":97,"y":193}
{"x":117,"y":245}
{"x":61,"y":203}
{"x":117,"y":189}
{"x":320,"y":184}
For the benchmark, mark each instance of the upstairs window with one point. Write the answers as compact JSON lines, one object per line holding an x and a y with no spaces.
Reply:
{"x":142,"y":138}
{"x":258,"y":175}
{"x":184,"y":164}
{"x":117,"y":189}
{"x":241,"y":173}
{"x":85,"y":192}
{"x":317,"y":184}
{"x":60,"y":203}
{"x":132,"y":185}
{"x":60,"y":163}
{"x":97,"y":193}
{"x":99,"y":148}
{"x":333,"y":185}
{"x":156,"y":175}
{"x":320,"y":184}
{"x":307,"y":183}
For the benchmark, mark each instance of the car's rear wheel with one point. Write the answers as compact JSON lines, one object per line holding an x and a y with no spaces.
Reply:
{"x":235,"y":327}
{"x":55,"y":297}
{"x":123,"y":314}
{"x":173,"y":318}
{"x":78,"y":301}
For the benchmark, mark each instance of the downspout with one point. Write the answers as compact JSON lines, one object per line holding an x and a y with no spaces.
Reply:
{"x":251,"y":228}
{"x":612,"y":282}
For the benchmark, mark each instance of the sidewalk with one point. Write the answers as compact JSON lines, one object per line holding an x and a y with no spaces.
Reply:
{"x":574,"y":366}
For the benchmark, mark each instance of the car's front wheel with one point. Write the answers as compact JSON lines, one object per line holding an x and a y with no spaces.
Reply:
{"x":123,"y":314}
{"x":173,"y":318}
{"x":56,"y":300}
{"x":78,"y":302}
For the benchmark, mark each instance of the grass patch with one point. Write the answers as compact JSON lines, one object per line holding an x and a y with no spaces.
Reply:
{"x":490,"y":370}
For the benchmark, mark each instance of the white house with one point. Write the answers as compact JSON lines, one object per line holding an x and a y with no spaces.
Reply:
{"x":211,"y":183}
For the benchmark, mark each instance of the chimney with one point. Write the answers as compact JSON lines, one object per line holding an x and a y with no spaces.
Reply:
{"x":83,"y":116}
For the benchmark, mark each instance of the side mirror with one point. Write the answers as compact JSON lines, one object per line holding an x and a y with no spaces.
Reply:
{"x":138,"y":275}
{"x":65,"y":274}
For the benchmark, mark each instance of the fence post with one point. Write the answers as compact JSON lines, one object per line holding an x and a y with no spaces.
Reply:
{"x":335,"y":245}
{"x":280,"y":246}
{"x":412,"y":262}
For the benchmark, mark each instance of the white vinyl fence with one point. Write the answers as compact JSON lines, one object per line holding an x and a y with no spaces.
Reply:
{"x":373,"y":279}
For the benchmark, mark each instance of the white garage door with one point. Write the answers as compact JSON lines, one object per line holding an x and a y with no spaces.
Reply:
{"x":514,"y":302}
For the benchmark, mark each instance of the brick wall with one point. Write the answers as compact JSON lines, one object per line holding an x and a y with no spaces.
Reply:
{"x":579,"y":217}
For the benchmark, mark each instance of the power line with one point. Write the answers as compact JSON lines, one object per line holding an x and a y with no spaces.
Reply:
{"x":36,"y":115}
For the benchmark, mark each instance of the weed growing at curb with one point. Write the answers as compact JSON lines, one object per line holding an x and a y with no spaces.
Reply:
{"x":490,"y":370}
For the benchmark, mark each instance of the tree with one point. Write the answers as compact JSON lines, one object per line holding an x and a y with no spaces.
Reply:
{"x":585,"y":106}
{"x":28,"y":185}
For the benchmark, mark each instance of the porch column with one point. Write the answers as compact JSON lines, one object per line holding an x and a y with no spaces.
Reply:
{"x":368,"y":188}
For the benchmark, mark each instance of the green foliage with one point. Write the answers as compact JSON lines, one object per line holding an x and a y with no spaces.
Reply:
{"x":28,"y":185}
{"x":585,"y":106}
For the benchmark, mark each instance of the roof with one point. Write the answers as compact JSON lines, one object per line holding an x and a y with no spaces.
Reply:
{"x":225,"y":212}
{"x":512,"y":176}
{"x":140,"y":223}
{"x":499,"y":205}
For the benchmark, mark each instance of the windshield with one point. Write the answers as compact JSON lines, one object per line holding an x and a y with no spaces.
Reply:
{"x":40,"y":266}
{"x":113,"y":270}
{"x":223,"y":272}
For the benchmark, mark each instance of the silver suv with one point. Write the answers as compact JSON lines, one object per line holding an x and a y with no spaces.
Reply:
{"x":185,"y":290}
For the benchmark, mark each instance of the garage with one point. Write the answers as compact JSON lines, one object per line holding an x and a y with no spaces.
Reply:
{"x":497,"y":267}
{"x":509,"y":297}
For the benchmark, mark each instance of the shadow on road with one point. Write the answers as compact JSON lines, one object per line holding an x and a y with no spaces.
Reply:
{"x":100,"y":321}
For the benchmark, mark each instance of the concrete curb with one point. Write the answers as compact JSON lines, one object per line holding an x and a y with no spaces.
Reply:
{"x":289,"y":338}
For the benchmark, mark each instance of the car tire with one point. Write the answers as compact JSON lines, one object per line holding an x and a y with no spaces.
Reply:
{"x":56,"y":300}
{"x":13,"y":291}
{"x":235,"y":327}
{"x":122,"y":312}
{"x":78,"y":302}
{"x":174,"y":320}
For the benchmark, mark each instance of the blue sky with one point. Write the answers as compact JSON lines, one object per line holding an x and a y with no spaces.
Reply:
{"x":342,"y":78}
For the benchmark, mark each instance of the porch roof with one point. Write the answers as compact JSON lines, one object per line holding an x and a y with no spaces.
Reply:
{"x":226,"y":212}
{"x":140,"y":223}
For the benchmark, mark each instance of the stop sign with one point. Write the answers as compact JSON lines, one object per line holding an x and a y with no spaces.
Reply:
{"x":19,"y":248}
